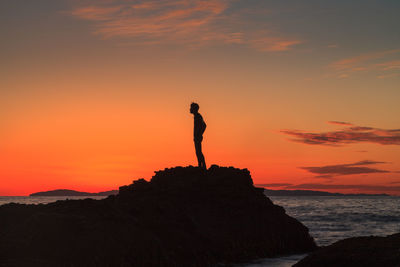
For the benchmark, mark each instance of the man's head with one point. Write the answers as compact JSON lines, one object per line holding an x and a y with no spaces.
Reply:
{"x":194,"y":108}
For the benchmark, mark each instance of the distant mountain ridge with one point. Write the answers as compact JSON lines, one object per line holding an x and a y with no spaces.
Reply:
{"x":270,"y":192}
{"x":70,"y":193}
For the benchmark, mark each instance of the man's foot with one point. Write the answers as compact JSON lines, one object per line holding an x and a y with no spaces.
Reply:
{"x":204,"y":168}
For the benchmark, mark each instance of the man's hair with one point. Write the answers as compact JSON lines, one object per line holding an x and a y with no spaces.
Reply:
{"x":195,"y":106}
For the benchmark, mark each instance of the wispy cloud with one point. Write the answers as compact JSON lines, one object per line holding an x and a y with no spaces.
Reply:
{"x":169,"y":19}
{"x":351,"y":63}
{"x":330,"y":171}
{"x":340,"y":123}
{"x":381,"y":62}
{"x":348,"y":135}
{"x":185,"y":22}
{"x":389,"y":65}
{"x":384,"y":76}
{"x":273,"y":44}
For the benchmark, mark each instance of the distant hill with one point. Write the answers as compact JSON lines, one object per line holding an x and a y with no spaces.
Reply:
{"x":70,"y":193}
{"x":270,"y":192}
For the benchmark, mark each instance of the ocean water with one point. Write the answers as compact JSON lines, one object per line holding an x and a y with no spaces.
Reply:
{"x":39,"y":200}
{"x":329,"y":218}
{"x":332,"y":218}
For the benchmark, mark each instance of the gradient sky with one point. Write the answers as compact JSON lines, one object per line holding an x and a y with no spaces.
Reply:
{"x":95,"y":94}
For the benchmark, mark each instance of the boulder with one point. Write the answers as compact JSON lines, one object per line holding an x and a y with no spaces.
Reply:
{"x":365,"y":251}
{"x":183,"y":216}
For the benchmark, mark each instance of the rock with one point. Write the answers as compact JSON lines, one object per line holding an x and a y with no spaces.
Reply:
{"x":184,"y":216}
{"x":366,"y":251}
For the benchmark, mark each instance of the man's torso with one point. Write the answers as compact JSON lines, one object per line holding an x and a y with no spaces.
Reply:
{"x":198,"y":127}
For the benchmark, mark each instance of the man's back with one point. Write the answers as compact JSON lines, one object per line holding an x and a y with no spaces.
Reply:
{"x":199,"y":126}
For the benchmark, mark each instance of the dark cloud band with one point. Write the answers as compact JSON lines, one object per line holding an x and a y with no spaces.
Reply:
{"x":348,"y":135}
{"x":329,"y":171}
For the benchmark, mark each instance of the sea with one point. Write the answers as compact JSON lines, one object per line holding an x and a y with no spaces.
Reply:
{"x":329,"y":218}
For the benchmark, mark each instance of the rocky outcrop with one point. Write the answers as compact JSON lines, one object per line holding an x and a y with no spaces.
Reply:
{"x":184,"y":216}
{"x":366,"y":251}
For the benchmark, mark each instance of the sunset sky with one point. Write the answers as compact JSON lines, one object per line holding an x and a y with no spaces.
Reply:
{"x":96,"y":93}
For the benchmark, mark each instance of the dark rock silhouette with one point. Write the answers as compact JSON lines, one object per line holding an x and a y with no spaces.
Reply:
{"x":184,"y":216}
{"x":367,"y":251}
{"x":67,"y":192}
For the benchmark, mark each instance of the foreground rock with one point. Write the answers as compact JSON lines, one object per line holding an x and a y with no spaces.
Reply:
{"x":182,"y":217}
{"x":357,"y":251}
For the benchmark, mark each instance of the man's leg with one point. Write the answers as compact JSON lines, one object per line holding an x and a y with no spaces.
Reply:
{"x":200,"y":157}
{"x":203,"y":161}
{"x":197,"y":146}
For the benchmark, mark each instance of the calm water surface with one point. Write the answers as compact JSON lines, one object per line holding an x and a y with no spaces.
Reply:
{"x":39,"y":200}
{"x":333,"y":218}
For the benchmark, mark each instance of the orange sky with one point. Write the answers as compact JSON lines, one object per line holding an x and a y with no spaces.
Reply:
{"x":95,"y":94}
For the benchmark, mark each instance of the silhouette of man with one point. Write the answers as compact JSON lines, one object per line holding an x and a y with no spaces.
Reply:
{"x":199,"y":128}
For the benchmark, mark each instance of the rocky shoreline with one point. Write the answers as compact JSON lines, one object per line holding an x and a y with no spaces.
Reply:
{"x":183,"y":217}
{"x":366,"y":251}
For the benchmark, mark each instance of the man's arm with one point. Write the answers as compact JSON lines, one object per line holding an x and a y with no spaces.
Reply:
{"x":197,"y":125}
{"x":204,"y":126}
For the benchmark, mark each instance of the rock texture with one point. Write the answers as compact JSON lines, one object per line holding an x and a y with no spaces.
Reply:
{"x":368,"y":251}
{"x":183,"y":217}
